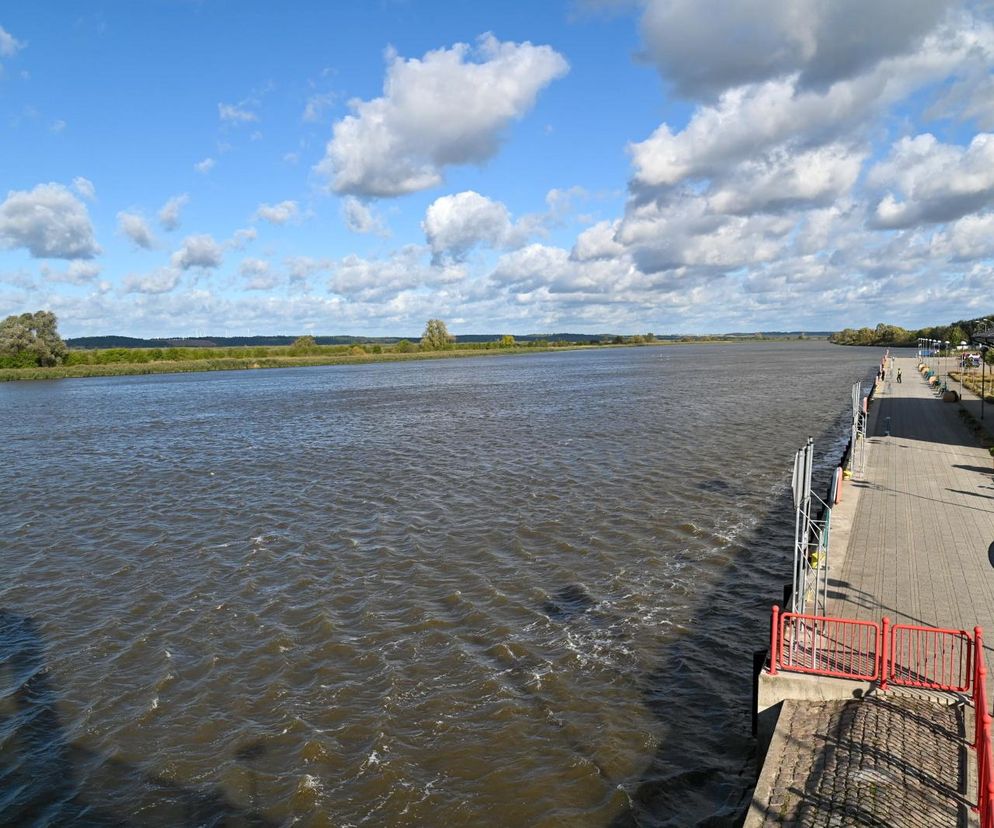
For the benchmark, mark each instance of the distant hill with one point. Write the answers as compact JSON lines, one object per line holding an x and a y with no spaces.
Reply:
{"x":85,"y":342}
{"x":89,"y":342}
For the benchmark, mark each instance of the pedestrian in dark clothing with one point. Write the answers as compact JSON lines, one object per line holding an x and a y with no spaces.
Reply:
{"x":898,"y":374}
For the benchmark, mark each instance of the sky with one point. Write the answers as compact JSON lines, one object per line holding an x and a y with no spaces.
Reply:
{"x":240,"y":167}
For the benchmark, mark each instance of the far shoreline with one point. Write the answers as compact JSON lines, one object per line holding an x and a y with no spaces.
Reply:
{"x":121,"y":369}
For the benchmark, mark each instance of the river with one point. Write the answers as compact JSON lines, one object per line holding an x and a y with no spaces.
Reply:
{"x":508,"y":591}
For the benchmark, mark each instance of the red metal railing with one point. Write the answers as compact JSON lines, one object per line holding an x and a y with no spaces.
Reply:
{"x":900,"y":654}
{"x":982,"y":736}
{"x":929,"y":658}
{"x":903,"y":655}
{"x":825,"y":646}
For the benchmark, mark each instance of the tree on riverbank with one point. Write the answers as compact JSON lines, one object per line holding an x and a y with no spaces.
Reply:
{"x":436,"y":336}
{"x":31,"y":339}
{"x":893,"y":335}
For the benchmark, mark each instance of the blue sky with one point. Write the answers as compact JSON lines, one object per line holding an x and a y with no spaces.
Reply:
{"x":178,"y":168}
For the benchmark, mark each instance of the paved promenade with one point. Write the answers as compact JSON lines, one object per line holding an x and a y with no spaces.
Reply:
{"x":916,"y":544}
{"x":922,"y":540}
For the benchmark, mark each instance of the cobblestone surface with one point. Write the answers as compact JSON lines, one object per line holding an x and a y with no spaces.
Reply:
{"x":878,"y":761}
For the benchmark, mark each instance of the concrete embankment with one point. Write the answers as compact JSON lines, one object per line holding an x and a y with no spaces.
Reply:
{"x":910,"y":541}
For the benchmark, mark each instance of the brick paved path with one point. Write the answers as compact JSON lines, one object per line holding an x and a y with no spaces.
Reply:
{"x":880,"y":761}
{"x":922,"y":540}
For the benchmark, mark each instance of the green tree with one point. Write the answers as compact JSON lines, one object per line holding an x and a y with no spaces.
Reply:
{"x":436,"y":336}
{"x":31,"y":339}
{"x":405,"y":346}
{"x":304,"y":343}
{"x":507,"y":341}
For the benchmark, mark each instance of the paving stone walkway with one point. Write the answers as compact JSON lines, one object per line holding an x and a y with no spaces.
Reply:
{"x":921,"y":548}
{"x":879,"y":761}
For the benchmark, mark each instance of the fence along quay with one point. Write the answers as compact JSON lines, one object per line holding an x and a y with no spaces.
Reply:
{"x":874,"y":692}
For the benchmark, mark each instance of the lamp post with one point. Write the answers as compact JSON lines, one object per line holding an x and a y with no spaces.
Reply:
{"x":986,"y":340}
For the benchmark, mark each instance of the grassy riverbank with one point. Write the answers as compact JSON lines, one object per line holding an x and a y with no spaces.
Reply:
{"x":207,"y":359}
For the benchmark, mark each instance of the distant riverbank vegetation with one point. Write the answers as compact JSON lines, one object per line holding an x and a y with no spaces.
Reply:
{"x":30,"y":348}
{"x":893,"y":336}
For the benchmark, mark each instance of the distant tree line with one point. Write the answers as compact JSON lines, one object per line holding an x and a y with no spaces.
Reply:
{"x":895,"y":336}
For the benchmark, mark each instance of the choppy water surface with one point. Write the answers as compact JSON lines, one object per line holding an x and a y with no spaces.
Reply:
{"x":496,"y":591}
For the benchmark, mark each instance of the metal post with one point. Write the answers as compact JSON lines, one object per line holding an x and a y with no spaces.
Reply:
{"x":884,"y":655}
{"x":775,"y":641}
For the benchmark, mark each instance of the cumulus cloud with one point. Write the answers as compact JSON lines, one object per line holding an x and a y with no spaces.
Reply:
{"x":258,"y":274}
{"x":278,"y":213}
{"x":161,"y":280}
{"x":968,"y":239}
{"x":781,"y":115}
{"x":134,"y":226}
{"x":49,"y":221}
{"x":361,"y":218}
{"x":205,"y":166}
{"x":378,"y":280}
{"x":928,"y":181}
{"x":9,"y":45}
{"x":444,"y":109}
{"x":169,"y":213}
{"x":84,"y":187}
{"x":598,"y":242}
{"x":241,"y":238}
{"x":704,"y":47}
{"x":198,"y":251}
{"x":454,"y":224}
{"x":300,"y":268}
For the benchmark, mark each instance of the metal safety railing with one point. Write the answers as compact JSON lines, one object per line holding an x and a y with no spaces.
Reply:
{"x":902,"y":655}
{"x":982,"y":736}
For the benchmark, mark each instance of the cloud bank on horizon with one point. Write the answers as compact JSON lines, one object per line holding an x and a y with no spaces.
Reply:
{"x":666,"y":165}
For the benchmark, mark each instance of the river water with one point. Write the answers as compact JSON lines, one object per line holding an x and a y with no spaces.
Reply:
{"x":508,"y":591}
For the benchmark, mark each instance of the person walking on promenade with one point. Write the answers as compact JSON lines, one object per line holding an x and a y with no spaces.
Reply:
{"x":898,"y":374}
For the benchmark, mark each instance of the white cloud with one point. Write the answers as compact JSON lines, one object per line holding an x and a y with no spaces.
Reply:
{"x":454,"y":224}
{"x":57,"y":126}
{"x":205,"y":166}
{"x":704,"y":47}
{"x":361,"y":218}
{"x":198,"y":251}
{"x":161,"y":280}
{"x":84,"y":187}
{"x":442,"y":110}
{"x":300,"y":268}
{"x":970,"y":238}
{"x":234,"y":114}
{"x":598,"y":242}
{"x":49,"y":221}
{"x":257,"y":274}
{"x":278,"y":213}
{"x":169,"y":213}
{"x":783,"y":179}
{"x":136,"y":228}
{"x":9,"y":45}
{"x":241,"y":238}
{"x":78,"y":273}
{"x":928,"y":181}
{"x":379,"y":280}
